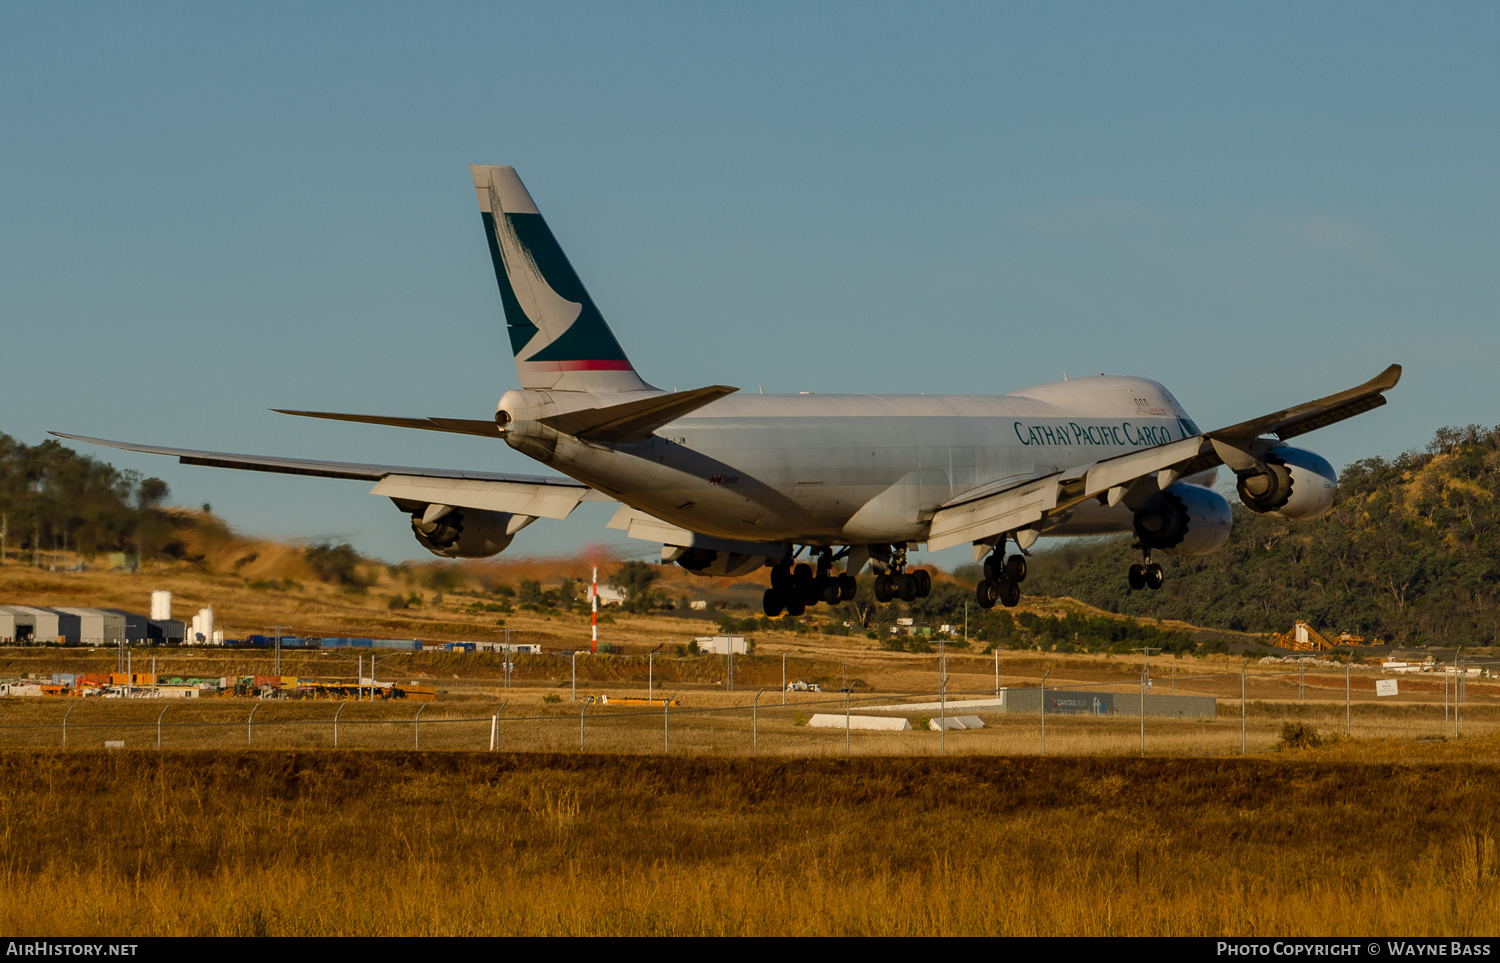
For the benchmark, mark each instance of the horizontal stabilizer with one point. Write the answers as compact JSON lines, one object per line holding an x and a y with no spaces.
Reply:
{"x":633,"y":420}
{"x":461,"y":426}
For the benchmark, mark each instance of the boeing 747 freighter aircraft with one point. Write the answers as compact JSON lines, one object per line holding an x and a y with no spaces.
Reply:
{"x":728,"y":483}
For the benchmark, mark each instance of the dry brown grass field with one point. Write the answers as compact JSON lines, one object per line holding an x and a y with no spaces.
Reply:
{"x":724,"y":815}
{"x":282,"y":842}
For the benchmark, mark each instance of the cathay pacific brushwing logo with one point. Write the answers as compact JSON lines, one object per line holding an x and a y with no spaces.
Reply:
{"x":552,"y":313}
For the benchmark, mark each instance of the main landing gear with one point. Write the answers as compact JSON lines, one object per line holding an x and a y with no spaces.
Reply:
{"x":794,"y":588}
{"x":1146,"y":574}
{"x":897,"y":583}
{"x":1002,"y":579}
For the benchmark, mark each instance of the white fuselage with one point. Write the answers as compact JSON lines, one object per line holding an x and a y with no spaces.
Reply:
{"x":846,"y":469}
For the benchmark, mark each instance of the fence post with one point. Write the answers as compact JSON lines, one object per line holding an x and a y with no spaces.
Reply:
{"x":942,"y":699}
{"x":1346,"y":698}
{"x":1143,"y":711}
{"x":250,"y":719}
{"x":416,"y":728}
{"x":581,"y":710}
{"x":1243,"y":669}
{"x":158,"y":723}
{"x":846,"y":723}
{"x":65,"y":723}
{"x":666,"y":741}
{"x":1044,"y":711}
{"x":336,"y":725}
{"x":495,"y":724}
{"x":755,"y":722}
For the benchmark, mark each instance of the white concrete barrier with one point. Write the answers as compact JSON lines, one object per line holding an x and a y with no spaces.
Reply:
{"x":828,"y":720}
{"x":953,"y":706}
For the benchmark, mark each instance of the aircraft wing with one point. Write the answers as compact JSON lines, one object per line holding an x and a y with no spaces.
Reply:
{"x":992,"y":510}
{"x":1316,"y":414}
{"x":1032,"y":499}
{"x":536,"y":495}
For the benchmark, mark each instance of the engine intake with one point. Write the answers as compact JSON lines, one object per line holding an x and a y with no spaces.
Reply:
{"x":1297,"y":485}
{"x":466,"y":532}
{"x":1184,"y":520}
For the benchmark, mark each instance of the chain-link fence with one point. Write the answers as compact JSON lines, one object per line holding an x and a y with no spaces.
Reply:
{"x":1175,"y":714}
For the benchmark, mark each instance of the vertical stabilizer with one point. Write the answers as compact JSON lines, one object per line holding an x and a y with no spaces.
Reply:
{"x":559,"y":338}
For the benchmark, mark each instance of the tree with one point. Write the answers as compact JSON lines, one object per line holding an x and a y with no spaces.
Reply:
{"x":336,"y":563}
{"x":635,"y":579}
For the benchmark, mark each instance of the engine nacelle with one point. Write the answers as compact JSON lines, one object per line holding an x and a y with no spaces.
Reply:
{"x":466,"y":532}
{"x":1184,"y":520}
{"x":1298,"y":485}
{"x":707,"y":562}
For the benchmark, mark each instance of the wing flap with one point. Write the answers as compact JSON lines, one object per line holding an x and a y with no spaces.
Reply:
{"x":1002,"y":512}
{"x":648,"y":528}
{"x":539,"y":501}
{"x":633,"y":420}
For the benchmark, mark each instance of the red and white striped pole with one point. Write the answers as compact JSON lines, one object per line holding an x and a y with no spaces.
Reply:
{"x":594,"y":596}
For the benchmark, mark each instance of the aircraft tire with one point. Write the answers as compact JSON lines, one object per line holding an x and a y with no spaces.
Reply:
{"x":1009,"y":593}
{"x":772,"y":603}
{"x":795,"y":608}
{"x":924,"y":582}
{"x":832,"y":592}
{"x":1155,"y":577}
{"x":985,"y":592}
{"x":1137,"y":577}
{"x":884,"y":590}
{"x":908,"y":587}
{"x":847,"y":587}
{"x":1015,"y":568}
{"x":781,"y":576}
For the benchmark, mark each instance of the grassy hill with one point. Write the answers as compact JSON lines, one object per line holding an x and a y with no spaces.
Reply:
{"x":1409,"y":554}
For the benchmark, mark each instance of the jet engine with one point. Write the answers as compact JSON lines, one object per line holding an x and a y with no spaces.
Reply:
{"x":1184,"y":520}
{"x":706,"y":562}
{"x":1297,"y":485}
{"x":465,"y":532}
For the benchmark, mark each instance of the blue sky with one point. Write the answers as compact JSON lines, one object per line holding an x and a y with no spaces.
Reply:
{"x":208,"y":211}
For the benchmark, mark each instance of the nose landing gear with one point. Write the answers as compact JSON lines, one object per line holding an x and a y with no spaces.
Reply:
{"x":1146,"y":574}
{"x":896,"y":582}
